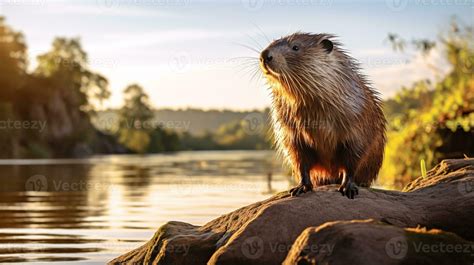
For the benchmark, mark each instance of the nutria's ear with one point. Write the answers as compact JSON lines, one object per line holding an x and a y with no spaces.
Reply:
{"x":327,"y":45}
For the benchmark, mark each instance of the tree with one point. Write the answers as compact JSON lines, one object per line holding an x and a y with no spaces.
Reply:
{"x":163,"y":140}
{"x":135,"y":119}
{"x":13,"y":58}
{"x":13,"y":63}
{"x":433,"y":121}
{"x":67,"y":65}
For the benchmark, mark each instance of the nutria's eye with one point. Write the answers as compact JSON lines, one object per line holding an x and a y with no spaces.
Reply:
{"x":295,"y":47}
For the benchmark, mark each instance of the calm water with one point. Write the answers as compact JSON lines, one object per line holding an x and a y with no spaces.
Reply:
{"x":92,"y":210}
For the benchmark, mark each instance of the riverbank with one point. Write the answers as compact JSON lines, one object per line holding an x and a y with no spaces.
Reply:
{"x":282,"y":229}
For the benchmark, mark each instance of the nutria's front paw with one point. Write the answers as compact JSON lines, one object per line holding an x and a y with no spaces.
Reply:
{"x":349,"y":189}
{"x":300,"y":189}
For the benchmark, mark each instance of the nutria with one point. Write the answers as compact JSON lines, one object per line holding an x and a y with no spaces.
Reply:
{"x":327,"y":119}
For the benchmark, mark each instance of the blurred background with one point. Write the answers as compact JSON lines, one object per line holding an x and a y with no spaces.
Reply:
{"x":119,"y":115}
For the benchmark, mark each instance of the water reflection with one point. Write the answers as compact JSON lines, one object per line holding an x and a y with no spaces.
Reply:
{"x":95,"y":209}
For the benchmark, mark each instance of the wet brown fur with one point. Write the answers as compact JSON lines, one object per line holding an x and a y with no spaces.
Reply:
{"x":326,"y":117}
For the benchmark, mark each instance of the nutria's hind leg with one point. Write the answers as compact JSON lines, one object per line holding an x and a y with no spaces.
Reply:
{"x":348,"y":187}
{"x":348,"y":159}
{"x":304,"y":185}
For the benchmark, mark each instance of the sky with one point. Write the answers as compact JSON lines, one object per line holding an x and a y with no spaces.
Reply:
{"x":191,"y":53}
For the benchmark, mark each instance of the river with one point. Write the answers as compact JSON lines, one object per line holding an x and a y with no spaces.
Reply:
{"x":89,"y":211}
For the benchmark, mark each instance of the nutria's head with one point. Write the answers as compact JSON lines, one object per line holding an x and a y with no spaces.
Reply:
{"x":302,"y":61}
{"x":293,"y":52}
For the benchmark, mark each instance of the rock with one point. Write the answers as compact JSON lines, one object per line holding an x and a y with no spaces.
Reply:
{"x":369,"y":242}
{"x":264,"y":232}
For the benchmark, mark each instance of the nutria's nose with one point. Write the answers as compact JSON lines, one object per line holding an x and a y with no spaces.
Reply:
{"x":266,"y":57}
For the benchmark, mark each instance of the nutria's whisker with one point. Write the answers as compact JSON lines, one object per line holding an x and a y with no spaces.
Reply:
{"x":261,"y":31}
{"x":251,"y":65}
{"x":259,"y":46}
{"x":244,"y":59}
{"x":247,"y":69}
{"x":247,"y":46}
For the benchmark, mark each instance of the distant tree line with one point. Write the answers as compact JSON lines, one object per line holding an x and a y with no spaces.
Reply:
{"x":59,"y":93}
{"x":62,"y":93}
{"x":138,"y":131}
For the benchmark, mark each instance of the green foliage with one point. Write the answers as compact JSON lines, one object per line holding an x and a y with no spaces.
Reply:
{"x":134,"y":116}
{"x":204,"y":141}
{"x":62,"y":92}
{"x":137,"y":106}
{"x":233,"y":135}
{"x":59,"y":93}
{"x":134,"y":139}
{"x":66,"y":64}
{"x":7,"y":135}
{"x":36,"y":149}
{"x":137,"y":129}
{"x":430,"y":122}
{"x":162,"y":140}
{"x":13,"y":58}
